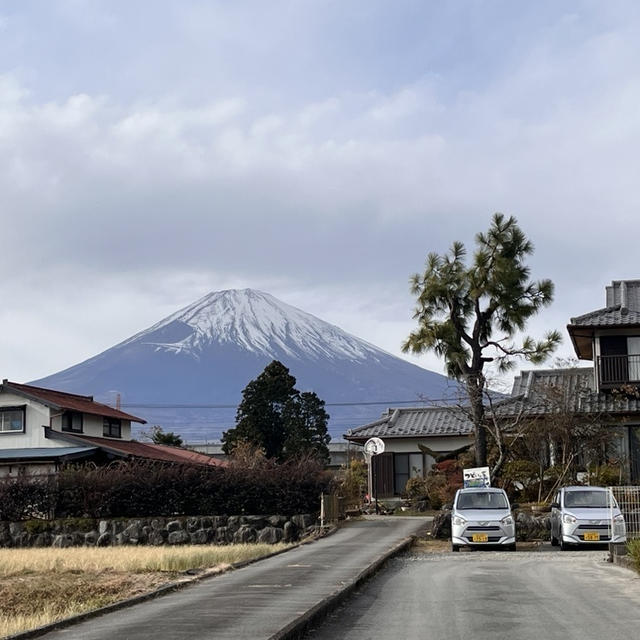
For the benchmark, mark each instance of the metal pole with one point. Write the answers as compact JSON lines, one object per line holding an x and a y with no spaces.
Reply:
{"x":375,"y":480}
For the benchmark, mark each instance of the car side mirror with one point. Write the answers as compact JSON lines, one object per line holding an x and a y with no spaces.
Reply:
{"x":447,"y":507}
{"x":555,"y":505}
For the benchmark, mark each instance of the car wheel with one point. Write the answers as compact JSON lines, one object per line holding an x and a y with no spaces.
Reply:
{"x":564,"y":546}
{"x":455,"y":547}
{"x":511,"y":547}
{"x":554,"y":541}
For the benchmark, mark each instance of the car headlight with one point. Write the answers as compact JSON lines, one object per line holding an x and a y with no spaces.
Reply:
{"x":507,"y":520}
{"x":619,"y":519}
{"x":458,"y":521}
{"x":567,"y":518}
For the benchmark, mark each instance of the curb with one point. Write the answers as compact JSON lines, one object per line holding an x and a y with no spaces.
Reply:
{"x":624,"y":561}
{"x":296,"y":629}
{"x":151,"y":595}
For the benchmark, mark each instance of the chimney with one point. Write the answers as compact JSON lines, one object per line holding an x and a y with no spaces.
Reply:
{"x":625,"y":293}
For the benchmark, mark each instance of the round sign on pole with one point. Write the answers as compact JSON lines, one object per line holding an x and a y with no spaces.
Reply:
{"x":374,"y":446}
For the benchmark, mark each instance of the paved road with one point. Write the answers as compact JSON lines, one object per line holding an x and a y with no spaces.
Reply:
{"x":256,"y":601}
{"x":491,"y":596}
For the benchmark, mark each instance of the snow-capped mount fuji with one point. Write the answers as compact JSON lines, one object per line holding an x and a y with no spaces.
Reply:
{"x":202,"y":356}
{"x":259,"y":323}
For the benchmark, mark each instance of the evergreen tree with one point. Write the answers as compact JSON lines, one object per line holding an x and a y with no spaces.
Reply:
{"x":275,"y":417}
{"x":159,"y":436}
{"x":471,"y":315}
{"x":306,"y":425}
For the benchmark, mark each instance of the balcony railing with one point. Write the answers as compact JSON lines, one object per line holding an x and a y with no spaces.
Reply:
{"x":616,"y":371}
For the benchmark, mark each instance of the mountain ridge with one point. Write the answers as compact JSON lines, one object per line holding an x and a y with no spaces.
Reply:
{"x":206,"y":353}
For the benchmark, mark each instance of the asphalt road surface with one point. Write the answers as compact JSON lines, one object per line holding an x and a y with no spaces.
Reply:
{"x":490,"y":596}
{"x":259,"y":600}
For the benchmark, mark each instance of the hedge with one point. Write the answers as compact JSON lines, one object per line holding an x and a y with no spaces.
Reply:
{"x":144,"y":489}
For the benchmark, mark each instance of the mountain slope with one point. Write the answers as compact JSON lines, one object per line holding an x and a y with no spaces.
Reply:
{"x":206,"y":353}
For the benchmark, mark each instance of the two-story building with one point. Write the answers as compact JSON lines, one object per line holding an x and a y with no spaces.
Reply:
{"x":42,"y":429}
{"x":607,"y":391}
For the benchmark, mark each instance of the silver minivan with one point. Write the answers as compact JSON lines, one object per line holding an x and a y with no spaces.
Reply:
{"x":582,"y":516}
{"x":482,"y":517}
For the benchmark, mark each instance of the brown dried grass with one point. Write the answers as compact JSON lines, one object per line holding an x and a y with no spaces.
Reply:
{"x":40,"y":586}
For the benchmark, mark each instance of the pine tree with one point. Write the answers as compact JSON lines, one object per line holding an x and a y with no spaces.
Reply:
{"x":306,"y":425}
{"x":159,"y":436}
{"x":275,"y":417}
{"x":471,"y":315}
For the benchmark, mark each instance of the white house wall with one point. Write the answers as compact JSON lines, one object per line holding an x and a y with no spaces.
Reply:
{"x":37,"y":416}
{"x":93,"y":426}
{"x":28,"y":468}
{"x":442,"y":444}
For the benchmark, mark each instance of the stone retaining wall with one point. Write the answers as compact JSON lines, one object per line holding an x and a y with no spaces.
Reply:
{"x":219,"y":530}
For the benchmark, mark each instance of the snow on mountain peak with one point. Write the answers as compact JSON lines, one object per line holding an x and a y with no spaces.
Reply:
{"x":258,"y":322}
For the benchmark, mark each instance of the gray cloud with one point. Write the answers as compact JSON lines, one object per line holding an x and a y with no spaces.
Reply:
{"x":118,"y":208}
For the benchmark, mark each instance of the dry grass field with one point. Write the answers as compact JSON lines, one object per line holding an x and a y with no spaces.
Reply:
{"x":38,"y":586}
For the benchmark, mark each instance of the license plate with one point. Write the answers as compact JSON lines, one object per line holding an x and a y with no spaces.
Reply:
{"x":480,"y":537}
{"x":592,"y":536}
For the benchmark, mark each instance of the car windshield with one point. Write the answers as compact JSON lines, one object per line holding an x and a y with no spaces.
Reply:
{"x":587,"y":499}
{"x":482,"y":500}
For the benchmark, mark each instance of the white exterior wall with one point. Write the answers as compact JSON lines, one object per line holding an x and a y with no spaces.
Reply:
{"x":36,"y":416}
{"x":93,"y":426}
{"x":28,"y":468}
{"x":442,"y":444}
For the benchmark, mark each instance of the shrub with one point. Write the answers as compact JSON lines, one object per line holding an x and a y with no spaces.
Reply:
{"x":633,"y":548}
{"x":353,"y":483}
{"x":606,"y":475}
{"x":443,"y":481}
{"x":26,"y":498}
{"x":416,"y":489}
{"x":143,"y":489}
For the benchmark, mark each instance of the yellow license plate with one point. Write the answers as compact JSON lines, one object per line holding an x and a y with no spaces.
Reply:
{"x":480,"y":537}
{"x":592,"y":536}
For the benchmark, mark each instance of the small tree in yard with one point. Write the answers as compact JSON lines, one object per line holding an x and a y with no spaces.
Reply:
{"x":159,"y":436}
{"x":275,"y":417}
{"x":470,"y":314}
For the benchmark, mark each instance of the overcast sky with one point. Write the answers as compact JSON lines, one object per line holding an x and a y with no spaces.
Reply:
{"x":151,"y":152}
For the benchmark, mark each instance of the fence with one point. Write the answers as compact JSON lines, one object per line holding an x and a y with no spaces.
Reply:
{"x":331,"y":508}
{"x":628,"y":499}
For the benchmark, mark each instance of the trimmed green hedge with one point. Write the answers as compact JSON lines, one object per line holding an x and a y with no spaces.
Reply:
{"x":143,"y":489}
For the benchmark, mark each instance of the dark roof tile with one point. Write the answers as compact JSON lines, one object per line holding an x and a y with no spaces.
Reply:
{"x":69,"y":401}
{"x":147,"y":450}
{"x":607,"y":317}
{"x":409,"y":422}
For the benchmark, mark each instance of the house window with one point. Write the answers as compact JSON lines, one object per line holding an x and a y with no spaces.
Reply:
{"x":12,"y":419}
{"x":405,"y":466}
{"x":72,"y":421}
{"x":112,"y":428}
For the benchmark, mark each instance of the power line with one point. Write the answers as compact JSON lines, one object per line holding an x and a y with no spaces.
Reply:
{"x":141,"y":405}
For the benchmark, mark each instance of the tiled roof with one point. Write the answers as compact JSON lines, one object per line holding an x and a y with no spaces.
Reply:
{"x":129,"y":448}
{"x":69,"y":401}
{"x":572,"y":389}
{"x":410,"y":422}
{"x":607,"y":317}
{"x":45,"y":453}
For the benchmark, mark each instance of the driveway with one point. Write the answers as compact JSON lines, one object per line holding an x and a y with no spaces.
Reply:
{"x":490,"y":596}
{"x":259,"y":600}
